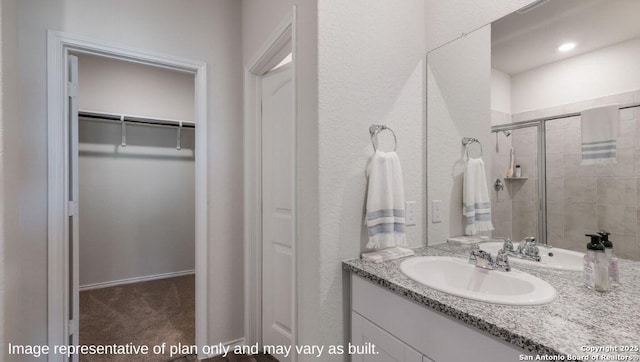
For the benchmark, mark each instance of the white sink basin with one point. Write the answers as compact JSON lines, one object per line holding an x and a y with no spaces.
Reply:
{"x":554,"y":258}
{"x":458,"y":277}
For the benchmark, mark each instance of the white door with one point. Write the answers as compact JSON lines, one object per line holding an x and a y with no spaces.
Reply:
{"x":73,"y":225}
{"x":277,"y":207}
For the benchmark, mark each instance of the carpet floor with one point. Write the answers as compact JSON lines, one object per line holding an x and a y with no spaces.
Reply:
{"x":146,"y":313}
{"x":149,"y":313}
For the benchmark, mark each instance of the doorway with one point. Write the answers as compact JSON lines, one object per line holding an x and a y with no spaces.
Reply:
{"x":136,"y":181}
{"x":63,"y":191}
{"x":270,"y":192}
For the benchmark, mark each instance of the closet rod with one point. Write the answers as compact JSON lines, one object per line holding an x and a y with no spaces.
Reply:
{"x":142,"y":121}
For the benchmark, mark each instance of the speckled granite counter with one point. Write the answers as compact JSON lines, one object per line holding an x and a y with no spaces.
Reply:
{"x":577,"y":318}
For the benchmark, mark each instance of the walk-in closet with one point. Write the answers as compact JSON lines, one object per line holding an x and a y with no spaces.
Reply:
{"x":136,"y":171}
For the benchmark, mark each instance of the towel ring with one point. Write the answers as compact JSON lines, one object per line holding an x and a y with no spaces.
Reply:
{"x":374,"y":129}
{"x":467,"y":141}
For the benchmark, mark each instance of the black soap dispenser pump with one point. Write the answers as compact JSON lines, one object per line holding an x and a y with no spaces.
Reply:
{"x":612,"y":259}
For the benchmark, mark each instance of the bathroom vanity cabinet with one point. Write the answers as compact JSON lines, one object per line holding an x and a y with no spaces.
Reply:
{"x":405,"y":331}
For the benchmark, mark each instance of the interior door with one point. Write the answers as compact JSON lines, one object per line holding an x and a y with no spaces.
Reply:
{"x":73,"y":192}
{"x":277,"y":215}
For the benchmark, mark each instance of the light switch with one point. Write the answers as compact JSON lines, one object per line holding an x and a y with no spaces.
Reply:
{"x":436,"y":211}
{"x":410,"y":213}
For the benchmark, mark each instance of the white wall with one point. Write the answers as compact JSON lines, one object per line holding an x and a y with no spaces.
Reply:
{"x":370,"y":70}
{"x":137,"y":202}
{"x":10,"y":178}
{"x":114,"y":86}
{"x":458,"y":98}
{"x":204,"y":30}
{"x":603,"y":72}
{"x":500,"y":91}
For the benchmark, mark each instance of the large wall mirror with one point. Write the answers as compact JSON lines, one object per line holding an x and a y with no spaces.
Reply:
{"x":519,"y":86}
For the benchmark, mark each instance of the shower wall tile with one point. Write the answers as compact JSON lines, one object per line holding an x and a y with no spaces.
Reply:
{"x":555,"y":141}
{"x":555,"y":124}
{"x":555,"y":221}
{"x":525,"y":141}
{"x":627,"y":114}
{"x":528,"y":164}
{"x":617,"y":190}
{"x":555,"y":166}
{"x":624,"y":167}
{"x":522,"y":190}
{"x":525,"y":220}
{"x":627,"y":135}
{"x":573,"y":168}
{"x":571,"y":138}
{"x":627,"y":246}
{"x":501,"y":218}
{"x":618,"y":219}
{"x":555,"y":190}
{"x":580,"y":190}
{"x":578,"y":219}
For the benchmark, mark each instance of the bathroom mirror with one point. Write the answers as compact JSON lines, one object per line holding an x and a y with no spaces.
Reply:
{"x":520,"y":83}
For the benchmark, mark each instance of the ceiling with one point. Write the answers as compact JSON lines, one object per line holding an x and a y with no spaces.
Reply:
{"x":524,"y":41}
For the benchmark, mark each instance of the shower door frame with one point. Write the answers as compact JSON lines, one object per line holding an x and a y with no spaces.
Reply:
{"x":541,"y":132}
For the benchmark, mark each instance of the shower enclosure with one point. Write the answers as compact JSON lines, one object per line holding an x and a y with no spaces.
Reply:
{"x":558,"y":200}
{"x":518,"y":208}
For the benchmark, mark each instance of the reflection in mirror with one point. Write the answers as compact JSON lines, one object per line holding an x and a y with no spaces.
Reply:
{"x":548,"y":65}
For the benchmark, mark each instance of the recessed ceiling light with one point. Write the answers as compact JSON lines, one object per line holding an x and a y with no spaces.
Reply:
{"x":566,"y":47}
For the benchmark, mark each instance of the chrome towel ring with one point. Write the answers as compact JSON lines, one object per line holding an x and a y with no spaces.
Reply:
{"x":374,"y":129}
{"x":467,"y":141}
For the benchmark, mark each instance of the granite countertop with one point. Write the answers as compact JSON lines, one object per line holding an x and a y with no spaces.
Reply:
{"x":578,"y":318}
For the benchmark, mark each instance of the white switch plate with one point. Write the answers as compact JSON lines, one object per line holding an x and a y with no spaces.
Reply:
{"x":410,"y":213}
{"x":436,"y":211}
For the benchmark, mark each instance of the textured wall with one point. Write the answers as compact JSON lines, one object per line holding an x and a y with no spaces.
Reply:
{"x":204,"y":30}
{"x":371,"y":70}
{"x":458,"y":98}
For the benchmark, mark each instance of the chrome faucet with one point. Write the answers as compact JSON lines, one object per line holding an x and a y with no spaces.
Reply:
{"x":528,"y":249}
{"x":507,"y":245}
{"x":484,"y":260}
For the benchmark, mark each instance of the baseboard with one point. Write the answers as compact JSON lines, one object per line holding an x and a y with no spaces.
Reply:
{"x":145,"y":278}
{"x":231,"y":344}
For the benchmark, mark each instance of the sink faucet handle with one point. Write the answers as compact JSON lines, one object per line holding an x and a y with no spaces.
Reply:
{"x":502,"y":260}
{"x":473,"y":255}
{"x":507,"y":245}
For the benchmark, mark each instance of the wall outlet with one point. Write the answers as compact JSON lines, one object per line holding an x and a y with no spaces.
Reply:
{"x":410,"y":213}
{"x":436,"y":211}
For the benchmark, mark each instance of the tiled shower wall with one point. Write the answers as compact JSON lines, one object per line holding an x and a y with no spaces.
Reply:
{"x":580,"y":199}
{"x":515,"y":208}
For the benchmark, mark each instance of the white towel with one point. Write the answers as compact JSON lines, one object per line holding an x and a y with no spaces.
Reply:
{"x":380,"y":256}
{"x":599,"y":134}
{"x":385,"y":202}
{"x":475,"y":197}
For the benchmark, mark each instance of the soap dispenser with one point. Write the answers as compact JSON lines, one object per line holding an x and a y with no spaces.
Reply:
{"x":596,"y":266}
{"x":613,"y":260}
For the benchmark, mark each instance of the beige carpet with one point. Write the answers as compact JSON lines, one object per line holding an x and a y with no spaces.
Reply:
{"x":147,"y":313}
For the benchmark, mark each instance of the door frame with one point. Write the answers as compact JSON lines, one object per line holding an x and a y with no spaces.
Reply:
{"x":266,"y":58}
{"x":59,"y":44}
